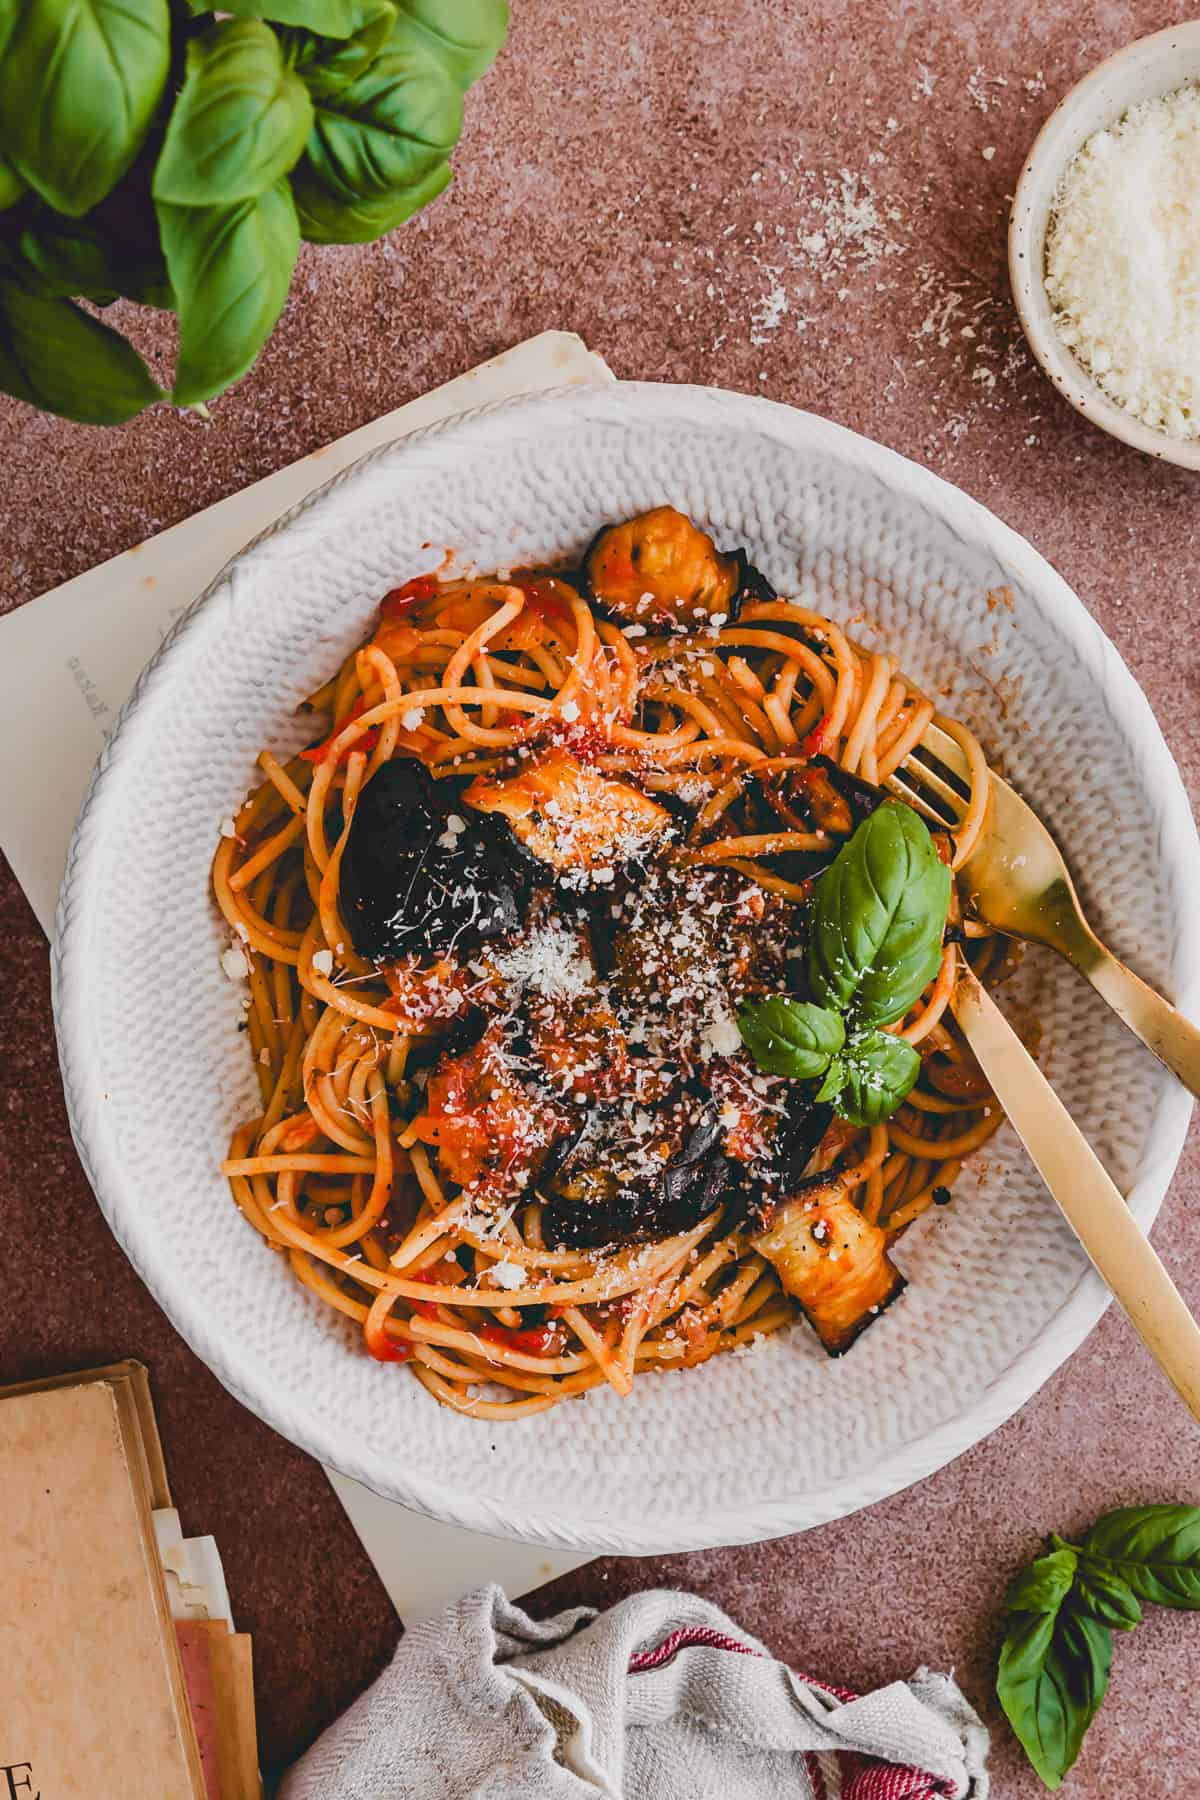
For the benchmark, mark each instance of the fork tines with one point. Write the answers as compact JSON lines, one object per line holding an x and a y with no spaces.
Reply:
{"x":931,"y":787}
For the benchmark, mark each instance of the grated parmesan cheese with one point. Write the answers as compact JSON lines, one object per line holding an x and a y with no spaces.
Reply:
{"x":234,"y":964}
{"x":1123,"y":261}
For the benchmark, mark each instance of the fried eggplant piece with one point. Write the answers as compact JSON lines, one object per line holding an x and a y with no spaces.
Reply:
{"x":419,"y":877}
{"x":600,"y":1190}
{"x":578,"y":822}
{"x":687,"y":943}
{"x":832,"y":1260}
{"x":818,"y":795}
{"x":661,"y":571}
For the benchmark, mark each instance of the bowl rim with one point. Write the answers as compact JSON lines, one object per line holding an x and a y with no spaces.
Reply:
{"x":329,"y":1441}
{"x":1050,"y":153}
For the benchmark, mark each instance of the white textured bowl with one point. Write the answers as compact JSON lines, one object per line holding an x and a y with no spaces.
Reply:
{"x":1144,"y":70}
{"x":156,"y":1073}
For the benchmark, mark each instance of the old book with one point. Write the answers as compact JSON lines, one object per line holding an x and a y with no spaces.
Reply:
{"x":94,"y":1699}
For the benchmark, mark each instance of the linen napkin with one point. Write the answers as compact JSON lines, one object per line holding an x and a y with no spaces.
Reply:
{"x":660,"y":1698}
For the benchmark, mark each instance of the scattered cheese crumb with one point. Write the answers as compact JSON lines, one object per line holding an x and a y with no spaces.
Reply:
{"x":228,"y":828}
{"x":234,"y":963}
{"x":508,"y":1275}
{"x":989,"y":152}
{"x":570,"y":711}
{"x":721,"y":1037}
{"x":322,"y":962}
{"x":411,"y":720}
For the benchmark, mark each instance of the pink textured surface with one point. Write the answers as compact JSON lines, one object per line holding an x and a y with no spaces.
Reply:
{"x":799,"y":201}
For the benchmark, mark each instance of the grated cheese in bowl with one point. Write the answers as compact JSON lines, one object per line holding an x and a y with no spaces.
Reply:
{"x":1122,"y":268}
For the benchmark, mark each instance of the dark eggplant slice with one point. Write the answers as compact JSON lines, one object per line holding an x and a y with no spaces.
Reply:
{"x":661,"y":571}
{"x":593,"y":1195}
{"x":418,"y":875}
{"x":691,"y":941}
{"x":461,"y":1035}
{"x":831,"y":1259}
{"x":818,"y":794}
{"x":752,"y":584}
{"x":862,"y":798}
{"x":695,"y":1177}
{"x":794,"y":1143}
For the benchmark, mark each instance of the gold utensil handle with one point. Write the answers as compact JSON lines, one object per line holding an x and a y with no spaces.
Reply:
{"x":1173,"y":1039}
{"x":1093,"y":1206}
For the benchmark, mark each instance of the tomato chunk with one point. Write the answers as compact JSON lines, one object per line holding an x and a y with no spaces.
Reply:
{"x":489,"y":1131}
{"x":533,"y":1340}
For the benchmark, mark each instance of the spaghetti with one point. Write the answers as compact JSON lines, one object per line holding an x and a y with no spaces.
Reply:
{"x":505,"y":1125}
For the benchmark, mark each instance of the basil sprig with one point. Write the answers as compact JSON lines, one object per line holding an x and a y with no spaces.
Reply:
{"x":1057,"y":1653}
{"x":171,"y":154}
{"x":877,"y":922}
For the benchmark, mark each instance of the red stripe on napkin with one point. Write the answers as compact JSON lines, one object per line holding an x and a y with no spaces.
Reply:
{"x":862,"y":1777}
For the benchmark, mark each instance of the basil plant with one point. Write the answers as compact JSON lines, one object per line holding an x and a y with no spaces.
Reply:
{"x":160,"y":151}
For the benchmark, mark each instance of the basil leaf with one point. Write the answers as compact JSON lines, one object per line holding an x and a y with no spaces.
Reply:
{"x":326,"y":65}
{"x":239,"y":123}
{"x":466,"y":35}
{"x":1107,"y":1597}
{"x":1044,"y":1585}
{"x":62,"y":258}
{"x":790,"y":1037}
{"x":834,"y":1082}
{"x":383,"y":136}
{"x":230,"y":267}
{"x":79,"y":84}
{"x":58,"y":357}
{"x":878,"y":917}
{"x":332,"y":18}
{"x":1052,"y":1677}
{"x":877,"y":1072}
{"x":327,"y":220}
{"x":1085,"y":1648}
{"x":1154,"y":1549}
{"x":11,"y":185}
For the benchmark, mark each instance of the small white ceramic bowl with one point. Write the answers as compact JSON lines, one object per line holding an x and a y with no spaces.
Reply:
{"x":1152,"y":66}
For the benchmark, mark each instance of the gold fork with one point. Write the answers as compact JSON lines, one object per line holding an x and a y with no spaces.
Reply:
{"x":1016,"y":880}
{"x":1094,"y":1207}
